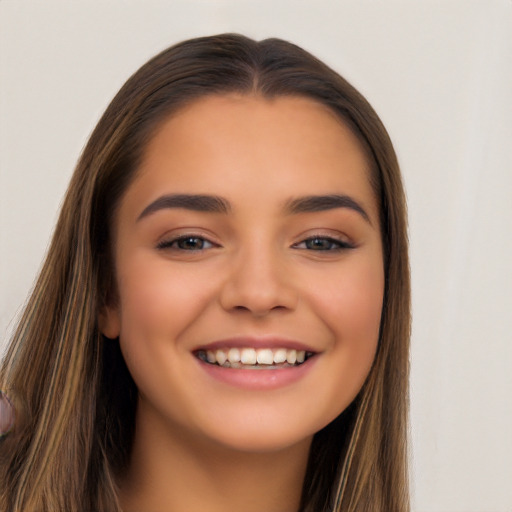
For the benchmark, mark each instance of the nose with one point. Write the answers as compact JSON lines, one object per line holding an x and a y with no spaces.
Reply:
{"x":259,"y":282}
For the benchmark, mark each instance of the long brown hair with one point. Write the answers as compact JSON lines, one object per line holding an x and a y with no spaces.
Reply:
{"x":74,"y":396}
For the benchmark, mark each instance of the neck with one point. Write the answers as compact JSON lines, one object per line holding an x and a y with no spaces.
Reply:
{"x":176,"y":471}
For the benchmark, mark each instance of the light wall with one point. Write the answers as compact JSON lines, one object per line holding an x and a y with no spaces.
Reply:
{"x":439,"y":74}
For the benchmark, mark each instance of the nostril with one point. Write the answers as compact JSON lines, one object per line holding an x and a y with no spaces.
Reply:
{"x":258,"y":289}
{"x":260,"y":311}
{"x":248,"y":308}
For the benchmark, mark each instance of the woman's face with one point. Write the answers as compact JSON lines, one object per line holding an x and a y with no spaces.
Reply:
{"x":248,"y":243}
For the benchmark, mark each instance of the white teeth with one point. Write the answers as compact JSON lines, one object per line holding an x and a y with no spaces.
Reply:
{"x":248,"y":356}
{"x":221,"y":356}
{"x":291,"y":356}
{"x":210,"y":356}
{"x":265,"y":356}
{"x":234,"y":355}
{"x":280,"y":355}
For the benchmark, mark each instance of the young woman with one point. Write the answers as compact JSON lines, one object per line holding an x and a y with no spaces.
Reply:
{"x":222,"y":320}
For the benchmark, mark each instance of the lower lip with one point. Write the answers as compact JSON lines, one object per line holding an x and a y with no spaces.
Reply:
{"x":264,"y":379}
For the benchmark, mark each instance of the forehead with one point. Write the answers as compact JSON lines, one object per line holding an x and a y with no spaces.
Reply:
{"x":290,"y":144}
{"x":258,"y":120}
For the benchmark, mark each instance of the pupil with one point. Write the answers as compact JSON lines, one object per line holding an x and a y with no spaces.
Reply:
{"x":319,"y":243}
{"x":191,"y":243}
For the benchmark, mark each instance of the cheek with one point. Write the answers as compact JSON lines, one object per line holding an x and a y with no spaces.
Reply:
{"x":159,"y":304}
{"x":360,"y":307}
{"x":351,"y":308}
{"x":352,"y":300}
{"x":158,"y":298}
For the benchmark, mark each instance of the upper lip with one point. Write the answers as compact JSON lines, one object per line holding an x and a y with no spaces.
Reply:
{"x":271,"y":342}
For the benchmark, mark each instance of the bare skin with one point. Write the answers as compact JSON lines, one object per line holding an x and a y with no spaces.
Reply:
{"x":283,"y":254}
{"x":190,"y":476}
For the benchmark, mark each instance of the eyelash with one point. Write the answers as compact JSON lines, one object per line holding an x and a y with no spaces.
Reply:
{"x":334,"y":244}
{"x":174,"y":243}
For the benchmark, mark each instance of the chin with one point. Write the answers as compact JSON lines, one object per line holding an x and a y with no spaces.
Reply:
{"x":262,"y":441}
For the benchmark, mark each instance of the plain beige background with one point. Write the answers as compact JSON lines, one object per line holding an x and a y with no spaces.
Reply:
{"x":439,"y":73}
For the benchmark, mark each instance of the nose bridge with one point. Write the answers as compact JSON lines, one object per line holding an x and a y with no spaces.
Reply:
{"x":258,"y":279}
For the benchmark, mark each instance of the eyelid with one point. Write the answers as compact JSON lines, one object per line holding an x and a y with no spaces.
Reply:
{"x":167,"y":241}
{"x":342,"y":242}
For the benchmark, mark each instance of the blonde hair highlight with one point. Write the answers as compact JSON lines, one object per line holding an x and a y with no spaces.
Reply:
{"x":69,"y":443}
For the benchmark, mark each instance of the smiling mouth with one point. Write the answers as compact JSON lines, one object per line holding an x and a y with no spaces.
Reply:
{"x":254,"y":359}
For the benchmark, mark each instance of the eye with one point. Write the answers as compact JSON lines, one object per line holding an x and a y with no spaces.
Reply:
{"x":323,"y":243}
{"x":186,"y":243}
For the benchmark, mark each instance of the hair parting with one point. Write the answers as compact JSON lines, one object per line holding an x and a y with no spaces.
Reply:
{"x":74,"y":397}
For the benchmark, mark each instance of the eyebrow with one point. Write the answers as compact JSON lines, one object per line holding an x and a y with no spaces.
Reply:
{"x":216,"y":204}
{"x":310,"y":204}
{"x":195,"y":202}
